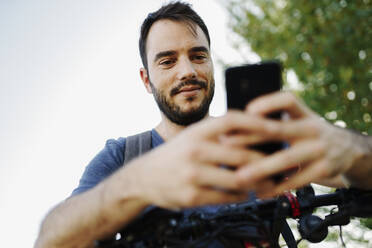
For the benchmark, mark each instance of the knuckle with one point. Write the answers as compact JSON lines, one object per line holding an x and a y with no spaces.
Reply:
{"x":291,"y":101}
{"x":240,"y":181}
{"x":320,"y":148}
{"x":243,"y":157}
{"x":191,"y":175}
{"x":328,"y":171}
{"x":194,"y":152}
{"x":236,"y":183}
{"x":191,"y":198}
{"x":312,"y":128}
{"x":325,"y":172}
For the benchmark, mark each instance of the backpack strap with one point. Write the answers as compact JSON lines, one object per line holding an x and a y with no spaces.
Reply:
{"x":137,"y":145}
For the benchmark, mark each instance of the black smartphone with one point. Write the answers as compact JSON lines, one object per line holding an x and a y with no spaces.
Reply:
{"x":245,"y":83}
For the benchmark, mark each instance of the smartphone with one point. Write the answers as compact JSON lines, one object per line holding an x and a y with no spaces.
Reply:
{"x":245,"y":83}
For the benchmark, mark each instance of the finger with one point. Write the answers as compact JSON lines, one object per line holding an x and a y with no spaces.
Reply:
{"x":284,"y":101}
{"x":216,"y":177}
{"x":279,"y":131}
{"x":313,"y":172}
{"x":231,"y":122}
{"x":264,"y":188}
{"x":289,"y":130}
{"x":334,"y":182}
{"x":212,"y":153}
{"x":243,"y":140}
{"x":279,"y":162}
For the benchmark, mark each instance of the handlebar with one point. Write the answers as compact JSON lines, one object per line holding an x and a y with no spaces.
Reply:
{"x":260,"y":222}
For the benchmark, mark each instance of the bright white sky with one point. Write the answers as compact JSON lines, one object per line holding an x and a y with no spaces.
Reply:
{"x":69,"y":80}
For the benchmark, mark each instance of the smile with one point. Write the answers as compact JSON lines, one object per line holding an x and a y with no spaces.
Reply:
{"x":189,"y":88}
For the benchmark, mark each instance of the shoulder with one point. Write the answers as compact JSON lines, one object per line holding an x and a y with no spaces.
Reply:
{"x":113,"y":156}
{"x":115,"y":144}
{"x":106,"y":162}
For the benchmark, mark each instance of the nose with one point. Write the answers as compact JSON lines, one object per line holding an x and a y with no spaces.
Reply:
{"x":186,"y":70}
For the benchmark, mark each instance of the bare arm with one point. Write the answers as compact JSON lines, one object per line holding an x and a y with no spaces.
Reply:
{"x":184,"y":172}
{"x":360,"y":173}
{"x":81,"y":219}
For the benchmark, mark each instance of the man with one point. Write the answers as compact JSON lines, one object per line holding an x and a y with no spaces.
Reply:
{"x":185,"y":171}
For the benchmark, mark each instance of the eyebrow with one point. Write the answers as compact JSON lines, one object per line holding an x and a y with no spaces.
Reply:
{"x":171,"y":52}
{"x":164,"y":54}
{"x":199,"y":49}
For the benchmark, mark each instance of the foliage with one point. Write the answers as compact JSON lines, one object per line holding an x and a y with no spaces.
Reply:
{"x":327,"y":43}
{"x":367,"y":223}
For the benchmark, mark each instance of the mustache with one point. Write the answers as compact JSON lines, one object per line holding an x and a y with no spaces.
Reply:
{"x":176,"y":89}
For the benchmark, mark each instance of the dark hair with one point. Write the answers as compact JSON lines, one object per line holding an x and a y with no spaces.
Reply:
{"x":176,"y":11}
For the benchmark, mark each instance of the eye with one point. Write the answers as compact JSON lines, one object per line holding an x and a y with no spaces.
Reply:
{"x":199,"y":57}
{"x":167,"y":62}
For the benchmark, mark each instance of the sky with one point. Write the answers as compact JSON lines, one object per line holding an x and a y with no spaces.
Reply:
{"x":69,"y":80}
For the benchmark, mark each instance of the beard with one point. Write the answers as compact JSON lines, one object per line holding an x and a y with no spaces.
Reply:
{"x":174,"y":112}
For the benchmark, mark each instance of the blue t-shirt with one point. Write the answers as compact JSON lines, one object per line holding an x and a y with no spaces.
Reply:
{"x":107,"y":161}
{"x":111,"y":158}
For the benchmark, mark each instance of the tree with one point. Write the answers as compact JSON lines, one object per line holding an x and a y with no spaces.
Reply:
{"x":327,"y":43}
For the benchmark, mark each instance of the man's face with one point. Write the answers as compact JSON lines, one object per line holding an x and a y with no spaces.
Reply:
{"x":180,"y":71}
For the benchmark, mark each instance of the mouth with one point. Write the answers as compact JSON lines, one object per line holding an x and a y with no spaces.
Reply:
{"x":189,"y":88}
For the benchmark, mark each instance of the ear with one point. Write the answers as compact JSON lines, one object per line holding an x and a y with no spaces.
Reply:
{"x":145,"y":79}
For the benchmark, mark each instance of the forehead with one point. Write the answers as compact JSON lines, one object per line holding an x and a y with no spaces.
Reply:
{"x":166,"y":35}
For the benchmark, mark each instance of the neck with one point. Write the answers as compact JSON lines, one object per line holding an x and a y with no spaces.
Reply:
{"x":168,"y":129}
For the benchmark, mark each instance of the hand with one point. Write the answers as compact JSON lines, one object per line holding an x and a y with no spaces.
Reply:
{"x":318,"y":150}
{"x":186,"y":171}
